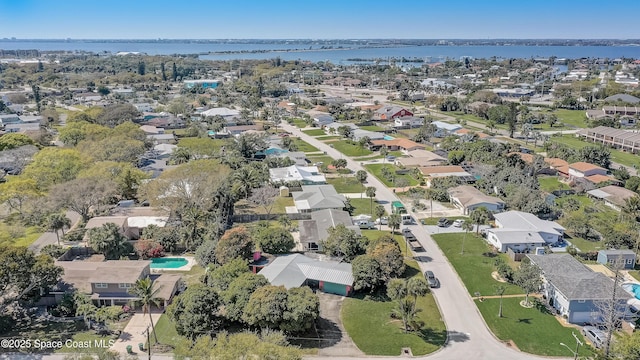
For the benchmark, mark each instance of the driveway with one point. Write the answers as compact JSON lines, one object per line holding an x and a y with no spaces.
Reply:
{"x":468,"y":336}
{"x":135,"y":332}
{"x":335,"y":340}
{"x":433,"y":229}
{"x":49,"y":237}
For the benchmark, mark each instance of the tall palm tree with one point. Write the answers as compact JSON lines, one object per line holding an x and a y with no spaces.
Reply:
{"x":58,"y":221}
{"x":371,"y":193}
{"x":631,"y":207}
{"x":466,"y":226}
{"x":394,"y":222}
{"x":147,"y":295}
{"x":361,"y":176}
{"x":245,"y":179}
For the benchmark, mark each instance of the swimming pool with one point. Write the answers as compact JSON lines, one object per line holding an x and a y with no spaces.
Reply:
{"x":168,"y":263}
{"x":387,"y":137}
{"x":633,"y":289}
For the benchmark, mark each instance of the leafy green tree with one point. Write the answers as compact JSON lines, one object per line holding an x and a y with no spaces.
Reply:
{"x":389,"y":258}
{"x":479,"y":216}
{"x":108,"y":240}
{"x":235,"y":243}
{"x":366,"y":273}
{"x":417,"y":286}
{"x":219,"y":277}
{"x":627,"y":347}
{"x":274,"y":240}
{"x":83,"y":194}
{"x":195,"y":312}
{"x":303,"y":309}
{"x":58,"y":221}
{"x":147,"y":294}
{"x":125,"y":177}
{"x":266,"y":307}
{"x":339,"y":163}
{"x":344,"y":242}
{"x":245,"y":345}
{"x":245,"y":179}
{"x":23,"y":274}
{"x":394,"y":222}
{"x":405,"y":294}
{"x":579,"y":223}
{"x":17,"y":193}
{"x":53,"y":166}
{"x":238,"y":293}
{"x":528,"y":277}
{"x":14,"y":140}
{"x":206,"y":253}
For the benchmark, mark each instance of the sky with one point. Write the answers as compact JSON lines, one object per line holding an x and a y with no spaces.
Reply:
{"x":319,"y":19}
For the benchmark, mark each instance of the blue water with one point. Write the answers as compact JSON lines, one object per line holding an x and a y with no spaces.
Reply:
{"x":635,"y":288}
{"x":313,"y":52}
{"x":168,"y":263}
{"x":387,"y":137}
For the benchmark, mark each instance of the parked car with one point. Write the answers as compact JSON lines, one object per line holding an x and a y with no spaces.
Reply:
{"x":391,"y":158}
{"x":458,"y":223}
{"x":431,"y":279}
{"x":443,"y":222}
{"x":594,"y":335}
{"x":382,"y":221}
{"x":364,"y":224}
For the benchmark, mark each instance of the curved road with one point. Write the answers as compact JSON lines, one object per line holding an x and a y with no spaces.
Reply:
{"x":468,"y":336}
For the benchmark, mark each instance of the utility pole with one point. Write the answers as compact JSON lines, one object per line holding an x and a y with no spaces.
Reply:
{"x":148,"y":343}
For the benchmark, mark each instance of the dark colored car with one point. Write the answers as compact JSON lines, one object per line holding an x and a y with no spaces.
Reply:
{"x":443,"y":222}
{"x":431,"y":279}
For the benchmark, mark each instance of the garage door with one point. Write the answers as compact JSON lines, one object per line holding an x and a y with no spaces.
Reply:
{"x":581,"y":317}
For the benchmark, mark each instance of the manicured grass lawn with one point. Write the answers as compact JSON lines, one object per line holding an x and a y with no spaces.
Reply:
{"x":476,"y":264}
{"x":577,"y":118}
{"x":191,"y":277}
{"x":304,"y":146}
{"x":362,"y":206}
{"x":314,"y":132}
{"x":350,"y":149}
{"x":345,"y":185}
{"x":299,"y":123}
{"x":635,"y":274}
{"x":396,"y":153}
{"x":325,"y":159}
{"x":531,"y":330}
{"x":372,"y":128}
{"x":376,"y":170}
{"x":551,"y":183}
{"x":328,"y":137}
{"x":369,"y":323}
{"x":586,"y":245}
{"x":17,"y":235}
{"x":166,"y":331}
{"x":243,"y":207}
{"x":202,"y":146}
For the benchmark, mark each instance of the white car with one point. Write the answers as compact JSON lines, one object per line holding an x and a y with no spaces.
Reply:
{"x":458,"y":223}
{"x":382,"y":221}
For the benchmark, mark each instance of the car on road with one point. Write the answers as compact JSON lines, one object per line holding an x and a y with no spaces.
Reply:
{"x":382,"y":221}
{"x":458,"y":223}
{"x":443,"y":222}
{"x":594,"y":335}
{"x":391,"y":158}
{"x":432,"y":280}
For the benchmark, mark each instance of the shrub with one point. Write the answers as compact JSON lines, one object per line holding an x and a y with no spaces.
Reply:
{"x":147,"y":249}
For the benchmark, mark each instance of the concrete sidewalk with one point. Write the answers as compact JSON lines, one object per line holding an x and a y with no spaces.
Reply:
{"x":135,"y":332}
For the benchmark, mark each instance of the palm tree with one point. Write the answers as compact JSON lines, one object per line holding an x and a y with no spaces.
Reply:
{"x":394,"y":222}
{"x":466,"y":226}
{"x":631,"y":207}
{"x":146,"y":293}
{"x":284,"y":221}
{"x":181,"y":155}
{"x":417,"y":286}
{"x":371,"y":193}
{"x":245,"y":179}
{"x":499,"y":290}
{"x":479,"y":216}
{"x":58,"y":221}
{"x":379,"y":212}
{"x":361,"y":176}
{"x":384,"y":152}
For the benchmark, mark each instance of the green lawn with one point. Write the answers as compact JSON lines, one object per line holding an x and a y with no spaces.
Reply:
{"x":304,"y":146}
{"x":476,"y":264}
{"x":328,"y":137}
{"x":532,"y":330}
{"x":586,"y":245}
{"x":372,"y":128}
{"x":635,"y":274}
{"x":601,"y":216}
{"x":434,"y":220}
{"x":551,"y":183}
{"x":576,"y":118}
{"x":166,"y":331}
{"x":396,"y":153}
{"x":191,"y":277}
{"x":350,"y":149}
{"x":362,"y":206}
{"x":299,"y":123}
{"x":370,"y":326}
{"x":314,"y":132}
{"x":346,"y":185}
{"x":18,"y":235}
{"x":325,"y":159}
{"x":376,"y":170}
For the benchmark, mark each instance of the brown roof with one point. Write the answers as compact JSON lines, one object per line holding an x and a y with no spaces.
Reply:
{"x":166,"y":285}
{"x":563,"y":169}
{"x":463,"y":131}
{"x":556,"y":162}
{"x":98,"y":221}
{"x":468,"y":196}
{"x":597,"y":179}
{"x":81,"y":274}
{"x":584,"y":166}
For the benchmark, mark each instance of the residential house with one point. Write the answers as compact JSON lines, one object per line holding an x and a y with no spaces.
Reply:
{"x":467,"y":134}
{"x":230,"y":116}
{"x":120,"y":222}
{"x":574,"y":290}
{"x":164,"y":151}
{"x":318,"y":197}
{"x":625,"y":98}
{"x":137,"y":224}
{"x":144,"y":107}
{"x":390,"y":112}
{"x":332,"y":128}
{"x":299,"y":157}
{"x":359,"y":134}
{"x":623,"y":259}
{"x":126,"y":93}
{"x":434,"y":172}
{"x":420,"y":158}
{"x":295,"y":270}
{"x":584,"y":170}
{"x":108,"y":282}
{"x":467,"y":198}
{"x":306,"y":175}
{"x":445,"y":129}
{"x":402,"y":144}
{"x":22,"y":128}
{"x":203,"y":84}
{"x":321,"y":119}
{"x":6,"y":119}
{"x":624,"y":140}
{"x":162,"y":138}
{"x":239,"y":129}
{"x":151,"y":130}
{"x":313,"y":232}
{"x":523,"y":232}
{"x":407,"y":122}
{"x":613,"y":196}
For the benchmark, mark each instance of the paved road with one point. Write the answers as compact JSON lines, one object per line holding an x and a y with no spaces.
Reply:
{"x":468,"y":336}
{"x":49,"y":237}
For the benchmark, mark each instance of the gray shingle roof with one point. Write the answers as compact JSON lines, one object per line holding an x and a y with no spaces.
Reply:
{"x":292,"y":270}
{"x":522,"y":220}
{"x":316,"y":229}
{"x":574,"y":280}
